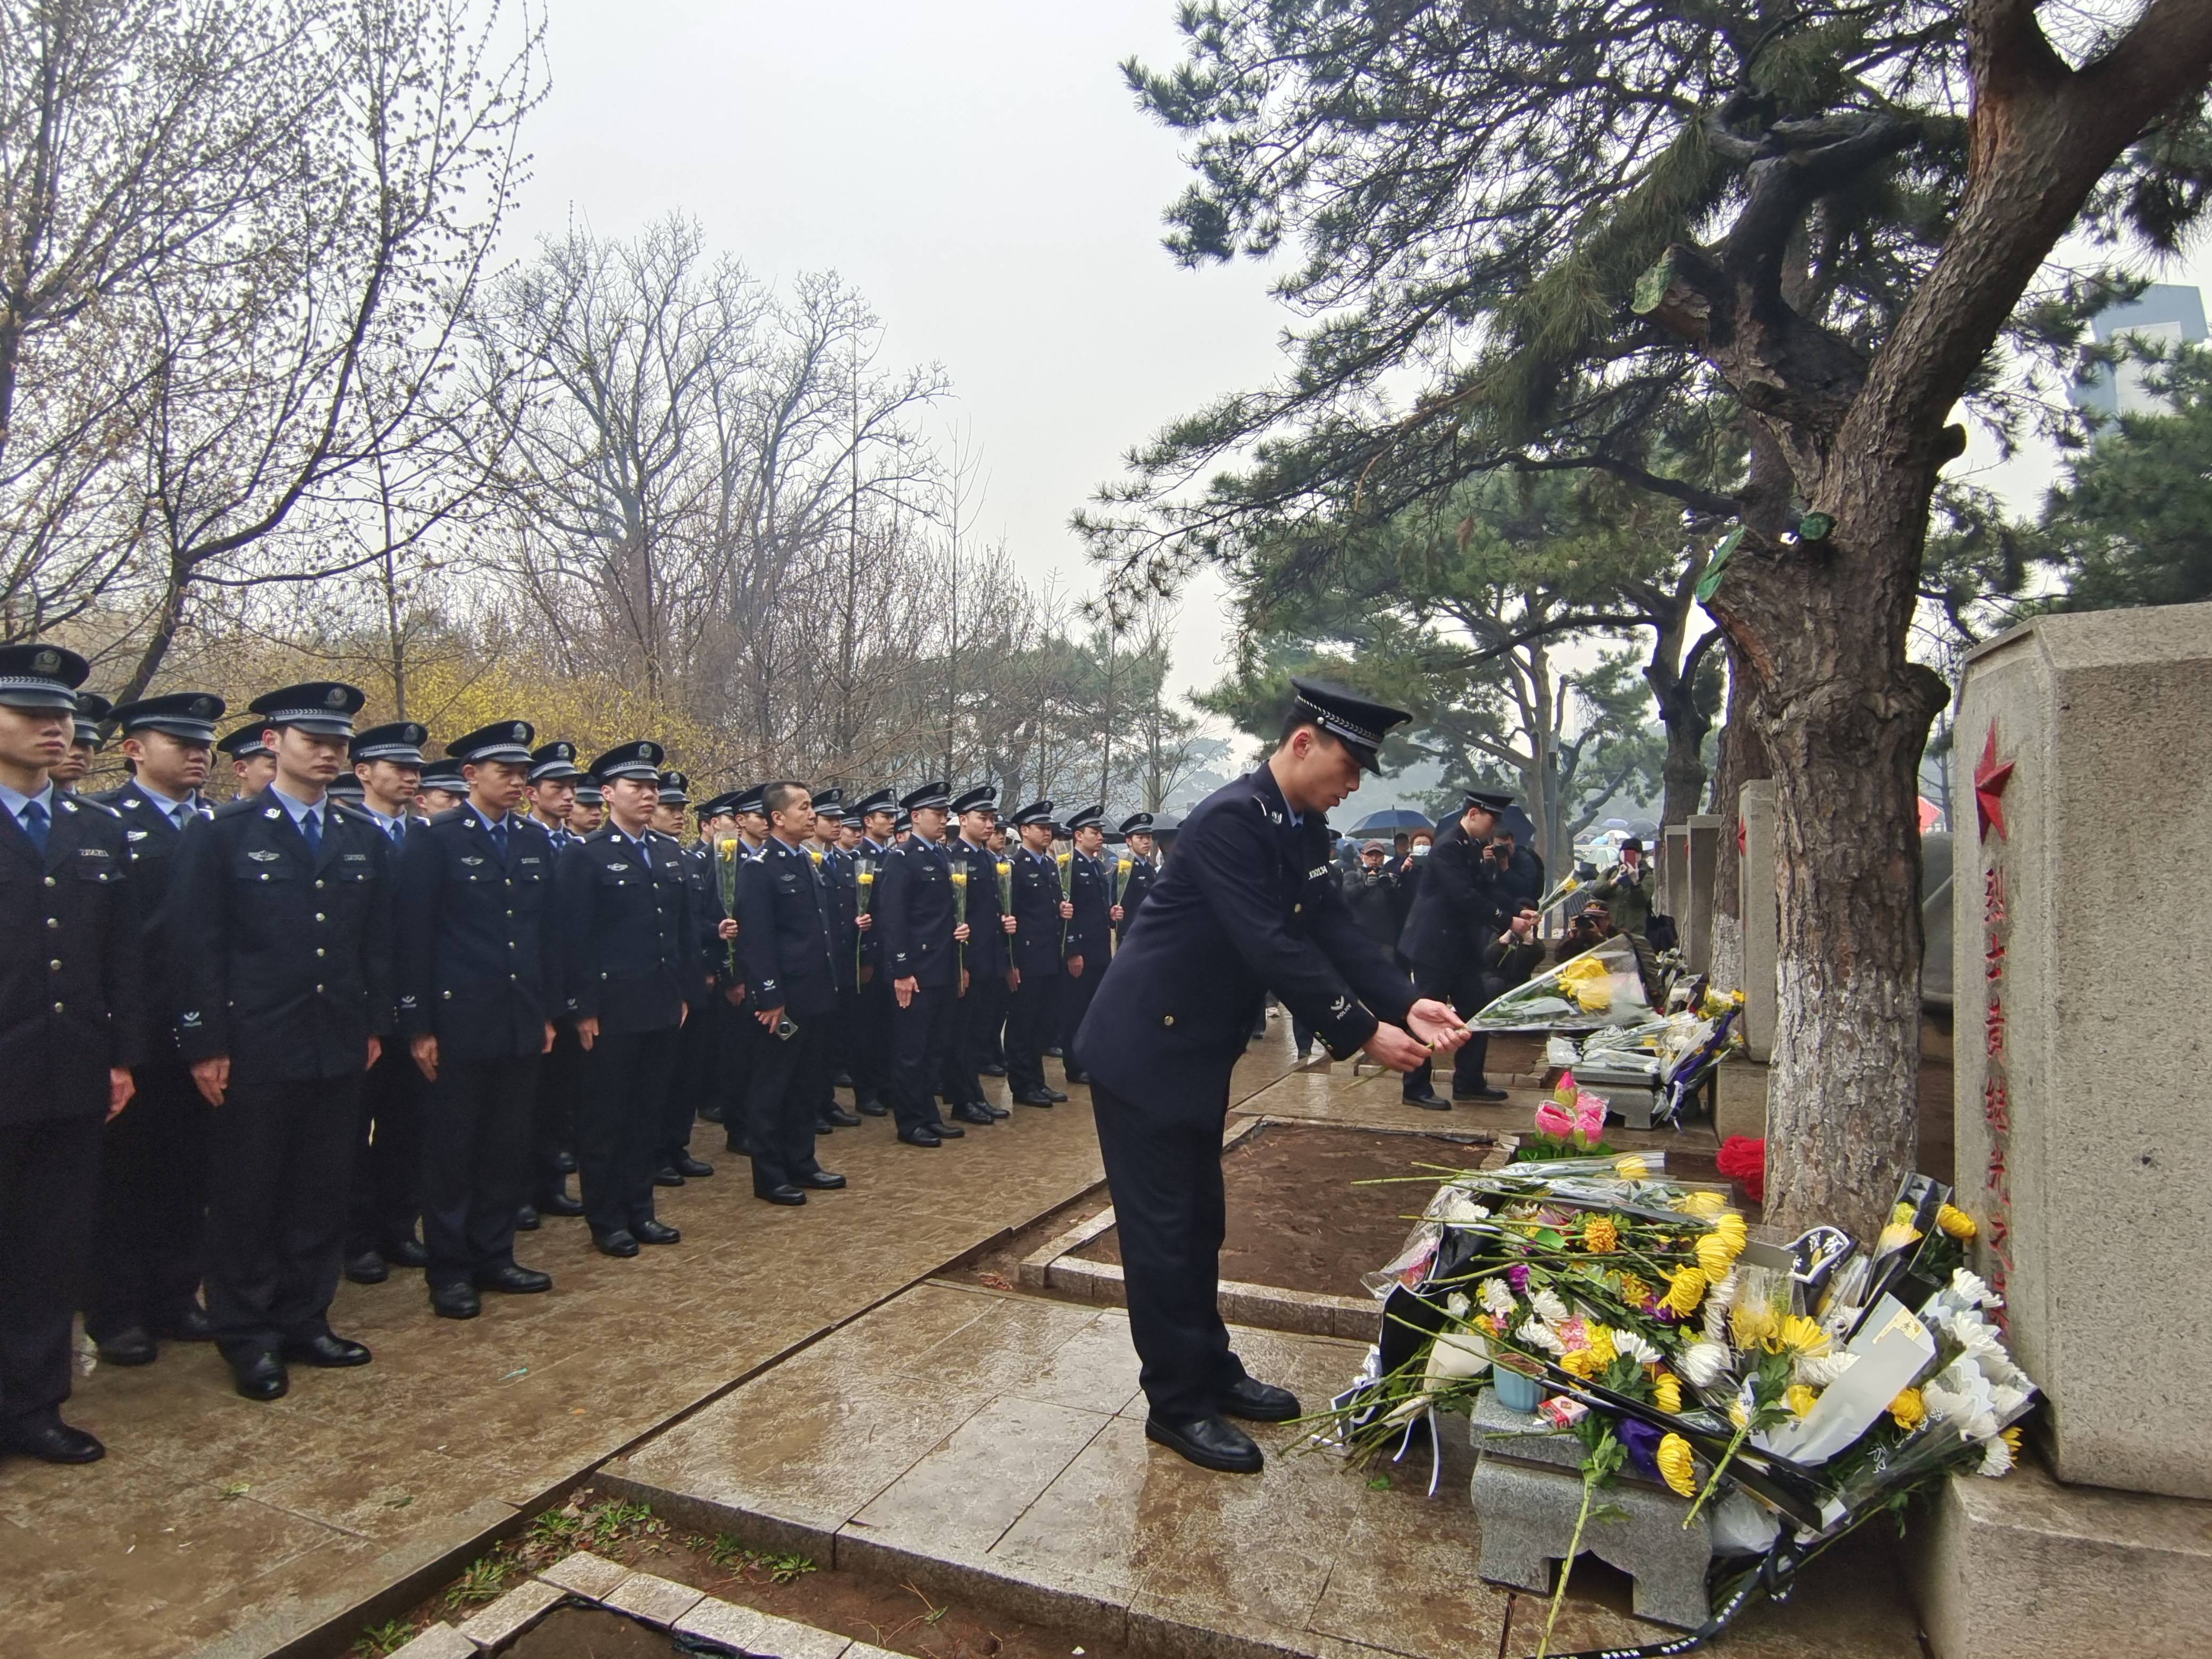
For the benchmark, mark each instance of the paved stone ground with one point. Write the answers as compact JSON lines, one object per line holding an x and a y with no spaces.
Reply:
{"x":216,"y":1521}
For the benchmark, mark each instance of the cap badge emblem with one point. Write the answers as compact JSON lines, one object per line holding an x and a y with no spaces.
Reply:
{"x":336,"y":699}
{"x":521,"y":732}
{"x":46,"y":662}
{"x":645,"y":751}
{"x":204,"y":708}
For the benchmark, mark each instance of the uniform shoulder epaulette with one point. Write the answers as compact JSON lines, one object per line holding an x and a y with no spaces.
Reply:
{"x":238,"y":806}
{"x":347,"y":810}
{"x":602,"y":832}
{"x":100,"y":806}
{"x":451,"y":814}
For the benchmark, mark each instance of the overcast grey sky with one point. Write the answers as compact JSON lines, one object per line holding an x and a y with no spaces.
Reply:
{"x":977,"y":169}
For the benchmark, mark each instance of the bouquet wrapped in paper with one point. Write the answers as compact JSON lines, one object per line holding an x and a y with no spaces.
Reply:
{"x":1601,"y":987}
{"x":960,"y":913}
{"x":728,"y":852}
{"x":1006,"y":887}
{"x":865,"y":879}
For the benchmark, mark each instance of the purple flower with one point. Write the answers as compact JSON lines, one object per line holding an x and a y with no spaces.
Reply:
{"x":1518,"y":1277}
{"x":1641,"y":1442}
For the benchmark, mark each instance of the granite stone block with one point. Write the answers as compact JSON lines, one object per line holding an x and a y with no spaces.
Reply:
{"x":512,"y":1613}
{"x":584,"y":1574}
{"x":657,"y":1601}
{"x":438,"y":1642}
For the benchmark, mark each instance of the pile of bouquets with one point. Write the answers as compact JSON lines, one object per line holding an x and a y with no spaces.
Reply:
{"x":1603,"y":986}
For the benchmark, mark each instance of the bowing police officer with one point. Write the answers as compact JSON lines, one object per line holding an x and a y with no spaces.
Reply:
{"x":1137,"y":882}
{"x":151,"y":1253}
{"x":1250,"y":904}
{"x":629,"y":961}
{"x":1041,"y":917}
{"x":387,"y":764}
{"x":252,"y":762}
{"x":914,"y":911}
{"x":873,"y":1071}
{"x":784,"y":935}
{"x":478,"y":975}
{"x":92,"y":711}
{"x":984,"y":959}
{"x":284,"y":971}
{"x":71,"y":1020}
{"x":1090,"y":930}
{"x":1456,"y":916}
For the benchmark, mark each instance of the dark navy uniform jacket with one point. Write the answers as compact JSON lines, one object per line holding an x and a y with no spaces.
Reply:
{"x":151,"y":839}
{"x":479,"y":960}
{"x":1134,"y":886}
{"x":987,"y":940}
{"x":914,"y":914}
{"x":1249,"y":904}
{"x":1460,"y":908}
{"x":873,"y":858}
{"x":283,"y":961}
{"x":1092,"y":928}
{"x":784,"y":932}
{"x":1036,"y":913}
{"x":706,"y":913}
{"x":841,"y":882}
{"x":630,"y":949}
{"x":71,"y":999}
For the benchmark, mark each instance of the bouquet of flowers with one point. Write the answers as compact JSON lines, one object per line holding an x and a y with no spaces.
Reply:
{"x":1006,"y":887}
{"x":1571,"y":884}
{"x":1796,"y":1392}
{"x":960,"y":913}
{"x":1570,"y":1124}
{"x":728,"y":852}
{"x":1066,"y":893}
{"x":1600,"y":987}
{"x":865,"y":879}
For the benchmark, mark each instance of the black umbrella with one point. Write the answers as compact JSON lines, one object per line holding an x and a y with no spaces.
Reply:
{"x":1517,"y":824}
{"x":1390,"y":821}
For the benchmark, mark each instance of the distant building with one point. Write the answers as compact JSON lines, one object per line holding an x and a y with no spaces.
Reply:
{"x":2167,"y":313}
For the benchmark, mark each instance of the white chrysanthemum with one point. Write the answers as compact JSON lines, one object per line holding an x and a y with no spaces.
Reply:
{"x":1456,"y":1204}
{"x":1960,"y":1396}
{"x":1996,"y":1457}
{"x":2006,"y":1400}
{"x":1643,"y":1351}
{"x":1823,"y":1370}
{"x":1497,"y":1297}
{"x":1703,"y":1362}
{"x":1549,"y":1308}
{"x":1458,"y":1306}
{"x":1724,"y":1291}
{"x":1975,"y":1334}
{"x":1971,"y":1290}
{"x":1537,"y":1335}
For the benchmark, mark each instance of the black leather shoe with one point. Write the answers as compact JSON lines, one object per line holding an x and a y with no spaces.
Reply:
{"x":327,"y":1351}
{"x":841,"y":1080}
{"x":407,"y":1252}
{"x":710,"y":1114}
{"x":1211,"y":1442}
{"x":560,"y":1204}
{"x":873,"y":1109}
{"x":131,"y":1348}
{"x":511,"y":1281}
{"x":1484,"y":1092}
{"x":970,"y":1112}
{"x":993,"y":1070}
{"x":1056,"y":1094}
{"x":1074,"y":1076}
{"x":736,"y":1147}
{"x":1054,"y":1053}
{"x":1036,"y":1097}
{"x":455,"y":1301}
{"x":615,"y":1243}
{"x":1429,"y":1100}
{"x":1258,"y":1403}
{"x":690,"y":1168}
{"x":655,"y":1232}
{"x":784,"y":1193}
{"x":367,"y":1267}
{"x":565,"y":1161}
{"x":823,"y":1126}
{"x":997,"y":1112}
{"x":822,"y":1181}
{"x":943,"y":1130}
{"x":843,"y":1119}
{"x":921,"y":1137}
{"x":525,"y":1220}
{"x":665,"y":1176}
{"x":261,"y":1377}
{"x":189,"y":1324}
{"x":51,"y":1442}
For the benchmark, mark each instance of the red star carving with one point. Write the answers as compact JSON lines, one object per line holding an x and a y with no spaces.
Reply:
{"x":1990,"y":781}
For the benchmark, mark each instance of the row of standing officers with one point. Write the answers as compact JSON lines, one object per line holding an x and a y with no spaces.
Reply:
{"x":249,"y":1045}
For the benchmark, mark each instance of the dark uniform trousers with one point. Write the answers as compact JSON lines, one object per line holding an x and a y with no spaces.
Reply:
{"x":478,"y":1120}
{"x":151,"y":1250}
{"x":388,"y":1154}
{"x":870,"y":1055}
{"x":921,"y":1033}
{"x":49,"y":1172}
{"x":559,"y":1080}
{"x":981,"y":1014}
{"x":619,"y":1127}
{"x":781,"y":1099}
{"x":1468,"y":989}
{"x":698,"y":1049}
{"x":1076,"y":991}
{"x":1030,"y":1015}
{"x":1165,"y":1171}
{"x":738,"y":1040}
{"x":282,"y":1166}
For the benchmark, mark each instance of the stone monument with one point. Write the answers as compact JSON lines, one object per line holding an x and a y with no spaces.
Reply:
{"x":1699,"y":869}
{"x":2084,"y":1147}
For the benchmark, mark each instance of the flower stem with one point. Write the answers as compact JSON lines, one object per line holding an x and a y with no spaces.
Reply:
{"x":1714,"y":1479}
{"x":1567,"y":1567}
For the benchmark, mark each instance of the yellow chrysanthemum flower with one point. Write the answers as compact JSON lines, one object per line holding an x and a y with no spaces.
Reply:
{"x":1803,"y":1337}
{"x":1686,"y":1288}
{"x":1896,"y":1236}
{"x":1908,"y":1411}
{"x":1730,"y":1226}
{"x":1582,"y":1362}
{"x":1800,"y":1398}
{"x":1738,"y":1415}
{"x":1677,"y":1466}
{"x":1600,"y":1235}
{"x":2011,"y":1438}
{"x":1632,"y":1290}
{"x":1701,"y":1204}
{"x":1956,"y":1222}
{"x":1601,"y":1344}
{"x":1716,"y":1255}
{"x":1667,"y":1391}
{"x":1632,"y":1168}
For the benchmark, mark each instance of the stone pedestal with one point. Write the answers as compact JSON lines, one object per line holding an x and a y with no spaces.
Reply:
{"x":1699,"y":869}
{"x":1761,"y":913}
{"x":2082,"y":965}
{"x":1674,"y":894}
{"x":1740,"y":1100}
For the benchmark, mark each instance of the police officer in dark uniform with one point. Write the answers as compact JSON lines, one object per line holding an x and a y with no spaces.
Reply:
{"x":915,"y":913}
{"x":555,"y":781}
{"x":872,"y":1064}
{"x":784,"y":934}
{"x":630,"y":960}
{"x":478,"y":972}
{"x":1460,"y":909}
{"x":695,"y":1049}
{"x":442,"y":788}
{"x":252,"y":762}
{"x":590,"y":810}
{"x":1089,"y":945}
{"x":1041,"y":916}
{"x":92,"y":711}
{"x":282,"y":960}
{"x":836,"y":865}
{"x":1137,"y":838}
{"x":387,"y":1171}
{"x":742,"y":1040}
{"x":984,"y":959}
{"x":71,"y":1021}
{"x":151,"y":1249}
{"x":1249,"y":903}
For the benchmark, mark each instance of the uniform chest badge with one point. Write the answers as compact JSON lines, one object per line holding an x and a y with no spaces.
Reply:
{"x":135,"y":834}
{"x":1317,"y":872}
{"x":261,"y":857}
{"x":617,"y":866}
{"x":356,"y":857}
{"x":471,"y":859}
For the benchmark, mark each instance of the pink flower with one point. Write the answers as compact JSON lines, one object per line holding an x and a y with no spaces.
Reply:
{"x":1552,"y":1119}
{"x":1589,"y":1118}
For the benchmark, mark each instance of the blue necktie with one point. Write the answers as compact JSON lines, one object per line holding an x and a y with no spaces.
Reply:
{"x":35,"y":825}
{"x":499,"y":838}
{"x":311,"y":826}
{"x":398,"y":829}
